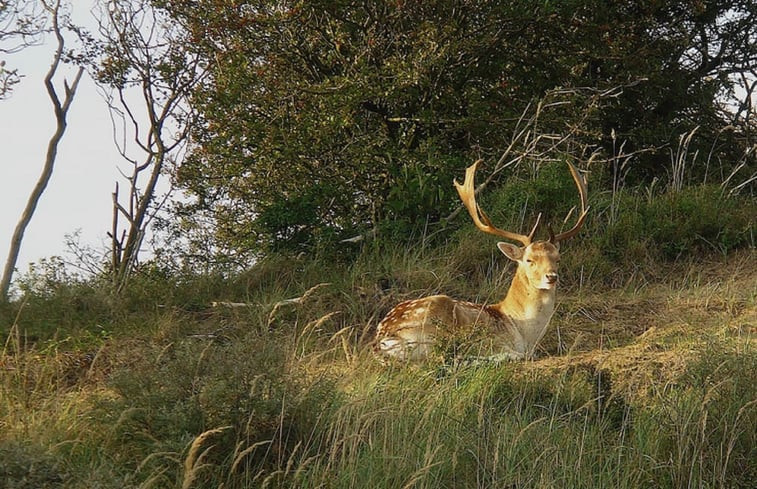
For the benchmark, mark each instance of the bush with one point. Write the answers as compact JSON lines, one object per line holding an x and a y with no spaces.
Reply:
{"x":696,"y":220}
{"x":551,"y":192}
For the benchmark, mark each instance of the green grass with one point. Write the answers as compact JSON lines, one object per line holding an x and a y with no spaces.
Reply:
{"x":646,"y":378}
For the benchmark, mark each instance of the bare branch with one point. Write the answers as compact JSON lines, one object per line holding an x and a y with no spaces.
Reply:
{"x":150,"y":94}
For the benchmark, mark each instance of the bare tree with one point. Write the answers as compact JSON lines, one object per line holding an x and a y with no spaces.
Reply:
{"x":61,"y":111}
{"x":146,"y":53}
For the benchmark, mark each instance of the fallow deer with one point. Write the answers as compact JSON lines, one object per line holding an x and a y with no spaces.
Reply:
{"x":508,"y":330}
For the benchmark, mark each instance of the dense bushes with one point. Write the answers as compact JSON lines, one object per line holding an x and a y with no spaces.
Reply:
{"x":699,"y":219}
{"x":322,"y":120}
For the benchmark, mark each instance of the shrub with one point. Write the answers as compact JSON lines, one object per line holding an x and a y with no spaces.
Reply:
{"x":551,"y":192}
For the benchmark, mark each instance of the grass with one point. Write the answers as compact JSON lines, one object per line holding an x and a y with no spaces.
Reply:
{"x":644,"y":380}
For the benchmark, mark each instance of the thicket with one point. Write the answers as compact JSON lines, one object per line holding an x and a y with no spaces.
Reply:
{"x":326,"y":120}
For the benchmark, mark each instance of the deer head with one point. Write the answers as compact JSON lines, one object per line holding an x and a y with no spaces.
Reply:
{"x":537,"y":260}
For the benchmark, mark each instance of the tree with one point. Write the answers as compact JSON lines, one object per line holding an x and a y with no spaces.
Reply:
{"x":325,"y":118}
{"x":60,"y":108}
{"x":148,"y":73}
{"x":698,"y":55}
{"x":22,"y":24}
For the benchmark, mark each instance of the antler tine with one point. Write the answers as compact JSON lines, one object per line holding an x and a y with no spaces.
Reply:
{"x":581,"y":184}
{"x":533,"y":229}
{"x":467,"y":194}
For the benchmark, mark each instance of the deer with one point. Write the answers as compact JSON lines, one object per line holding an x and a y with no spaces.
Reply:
{"x":505,"y":331}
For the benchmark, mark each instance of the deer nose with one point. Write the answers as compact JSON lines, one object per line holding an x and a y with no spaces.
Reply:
{"x":551,"y":277}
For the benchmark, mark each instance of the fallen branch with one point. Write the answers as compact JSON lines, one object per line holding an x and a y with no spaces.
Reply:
{"x":361,"y":237}
{"x":295,"y":300}
{"x":231,"y":304}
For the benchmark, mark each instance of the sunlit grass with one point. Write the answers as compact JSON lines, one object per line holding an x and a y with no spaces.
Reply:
{"x":649,"y":384}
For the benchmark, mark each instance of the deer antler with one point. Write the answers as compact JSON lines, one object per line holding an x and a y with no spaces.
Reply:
{"x":581,"y":184}
{"x":480,"y":219}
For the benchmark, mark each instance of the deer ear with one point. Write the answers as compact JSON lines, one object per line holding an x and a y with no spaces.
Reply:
{"x":511,"y":251}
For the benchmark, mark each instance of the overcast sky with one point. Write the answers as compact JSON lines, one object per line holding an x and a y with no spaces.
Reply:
{"x":78,"y":197}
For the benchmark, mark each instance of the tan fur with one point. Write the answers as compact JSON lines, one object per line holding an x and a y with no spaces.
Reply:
{"x":511,"y":328}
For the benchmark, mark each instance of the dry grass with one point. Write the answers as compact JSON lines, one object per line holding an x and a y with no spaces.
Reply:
{"x":291,"y":397}
{"x":648,"y":336}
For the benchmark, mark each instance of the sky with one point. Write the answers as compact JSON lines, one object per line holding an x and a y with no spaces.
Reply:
{"x":78,"y":197}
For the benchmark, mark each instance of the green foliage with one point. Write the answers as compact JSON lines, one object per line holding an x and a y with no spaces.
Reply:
{"x":550,"y":191}
{"x":24,"y":466}
{"x":695,"y":220}
{"x":324,"y":119}
{"x":292,"y":223}
{"x":422,"y":193}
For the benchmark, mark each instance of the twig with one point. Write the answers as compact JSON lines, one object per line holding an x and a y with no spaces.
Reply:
{"x":231,"y":304}
{"x":295,"y":300}
{"x":361,"y":237}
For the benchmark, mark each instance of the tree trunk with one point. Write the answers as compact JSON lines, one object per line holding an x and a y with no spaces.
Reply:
{"x":61,"y":111}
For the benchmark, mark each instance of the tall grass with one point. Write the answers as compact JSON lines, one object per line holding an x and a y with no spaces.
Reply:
{"x":483,"y":427}
{"x":158,"y":388}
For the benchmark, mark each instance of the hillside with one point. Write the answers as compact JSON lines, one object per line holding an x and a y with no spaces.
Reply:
{"x":650,"y":384}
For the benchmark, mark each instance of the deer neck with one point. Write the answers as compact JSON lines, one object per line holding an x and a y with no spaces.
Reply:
{"x":526,"y":305}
